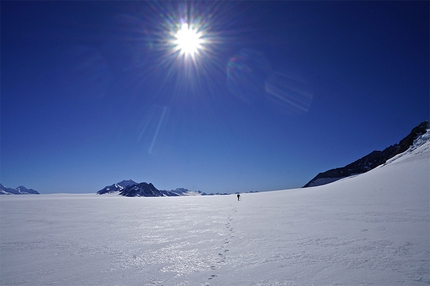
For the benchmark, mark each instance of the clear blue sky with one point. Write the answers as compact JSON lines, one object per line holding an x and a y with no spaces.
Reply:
{"x":93,"y":93}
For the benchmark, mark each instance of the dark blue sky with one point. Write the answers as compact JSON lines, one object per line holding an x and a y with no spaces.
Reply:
{"x":92,"y":92}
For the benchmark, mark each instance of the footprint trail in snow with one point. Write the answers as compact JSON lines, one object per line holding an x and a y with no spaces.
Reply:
{"x":222,"y":254}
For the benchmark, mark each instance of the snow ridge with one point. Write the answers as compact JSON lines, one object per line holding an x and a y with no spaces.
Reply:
{"x":372,"y":160}
{"x":420,"y":145}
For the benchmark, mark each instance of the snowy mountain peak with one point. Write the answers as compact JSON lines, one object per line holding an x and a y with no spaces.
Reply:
{"x":420,"y":145}
{"x":116,"y":187}
{"x":141,"y":190}
{"x":126,"y":183}
{"x":21,"y":190}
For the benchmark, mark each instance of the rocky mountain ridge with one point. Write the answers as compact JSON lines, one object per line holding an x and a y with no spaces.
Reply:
{"x":21,"y":190}
{"x":369,"y":161}
{"x":130,"y":188}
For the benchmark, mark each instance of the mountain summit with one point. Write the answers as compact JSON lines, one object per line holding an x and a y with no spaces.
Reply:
{"x":118,"y":187}
{"x":371,"y":160}
{"x":21,"y":190}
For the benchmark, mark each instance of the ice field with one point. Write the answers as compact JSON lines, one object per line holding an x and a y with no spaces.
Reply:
{"x":372,"y":229}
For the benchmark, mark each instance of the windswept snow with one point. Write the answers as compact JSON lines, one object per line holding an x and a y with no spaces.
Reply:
{"x":371,"y":229}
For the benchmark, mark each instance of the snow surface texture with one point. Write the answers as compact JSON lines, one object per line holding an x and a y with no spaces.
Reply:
{"x":371,"y":229}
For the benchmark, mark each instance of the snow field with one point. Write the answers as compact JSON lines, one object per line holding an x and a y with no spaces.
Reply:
{"x":371,"y":229}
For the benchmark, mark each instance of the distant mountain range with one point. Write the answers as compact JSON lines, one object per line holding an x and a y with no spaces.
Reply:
{"x":369,"y":161}
{"x":21,"y":190}
{"x":130,"y":188}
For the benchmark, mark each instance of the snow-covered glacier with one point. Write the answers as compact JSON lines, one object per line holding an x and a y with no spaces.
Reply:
{"x":371,"y":229}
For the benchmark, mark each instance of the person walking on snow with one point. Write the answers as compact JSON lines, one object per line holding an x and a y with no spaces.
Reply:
{"x":238,"y":197}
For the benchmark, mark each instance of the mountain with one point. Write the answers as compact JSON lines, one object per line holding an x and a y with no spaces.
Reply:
{"x":142,"y":190}
{"x":371,"y":160}
{"x":118,"y":187}
{"x":130,"y":188}
{"x":21,"y":190}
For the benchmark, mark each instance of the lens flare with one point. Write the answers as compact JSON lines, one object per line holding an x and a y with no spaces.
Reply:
{"x":246,"y":72}
{"x":290,"y":91}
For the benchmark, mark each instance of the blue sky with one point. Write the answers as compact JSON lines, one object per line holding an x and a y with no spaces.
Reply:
{"x":93,"y":92}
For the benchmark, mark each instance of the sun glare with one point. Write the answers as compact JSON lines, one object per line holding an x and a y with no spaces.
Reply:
{"x":188,"y":41}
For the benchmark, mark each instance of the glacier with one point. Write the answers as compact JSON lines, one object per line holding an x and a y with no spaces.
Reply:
{"x":370,"y":229}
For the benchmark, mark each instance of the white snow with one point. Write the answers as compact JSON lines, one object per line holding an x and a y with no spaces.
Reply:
{"x":371,"y":229}
{"x":323,"y":181}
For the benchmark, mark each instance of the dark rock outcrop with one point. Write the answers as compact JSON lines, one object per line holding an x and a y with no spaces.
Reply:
{"x":141,"y":190}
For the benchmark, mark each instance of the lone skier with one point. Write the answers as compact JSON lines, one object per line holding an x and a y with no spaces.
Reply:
{"x":238,"y":197}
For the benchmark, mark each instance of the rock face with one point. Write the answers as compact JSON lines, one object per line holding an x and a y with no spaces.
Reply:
{"x":21,"y":190}
{"x":369,"y":161}
{"x":141,"y":190}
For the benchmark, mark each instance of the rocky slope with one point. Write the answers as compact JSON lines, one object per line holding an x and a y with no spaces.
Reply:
{"x":369,"y":161}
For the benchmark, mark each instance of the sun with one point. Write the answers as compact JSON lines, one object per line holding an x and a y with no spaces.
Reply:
{"x":188,"y":41}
